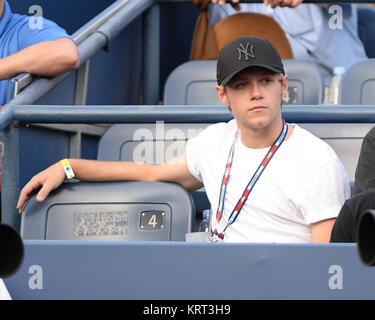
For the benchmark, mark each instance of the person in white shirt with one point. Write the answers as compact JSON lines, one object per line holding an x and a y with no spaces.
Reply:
{"x":267,"y":181}
{"x":326,"y":35}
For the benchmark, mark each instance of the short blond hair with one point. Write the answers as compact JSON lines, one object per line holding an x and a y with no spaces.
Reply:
{"x":282,"y":79}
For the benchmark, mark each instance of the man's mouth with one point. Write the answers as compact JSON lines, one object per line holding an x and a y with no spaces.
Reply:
{"x":257,"y":108}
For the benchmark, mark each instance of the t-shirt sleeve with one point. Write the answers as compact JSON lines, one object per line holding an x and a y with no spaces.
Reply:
{"x":326,"y":192}
{"x":193,"y":150}
{"x":45,"y":31}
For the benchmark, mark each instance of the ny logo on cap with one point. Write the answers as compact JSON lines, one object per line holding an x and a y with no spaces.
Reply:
{"x":245,"y":50}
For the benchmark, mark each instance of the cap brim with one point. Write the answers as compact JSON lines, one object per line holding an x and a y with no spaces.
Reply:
{"x":231,"y":75}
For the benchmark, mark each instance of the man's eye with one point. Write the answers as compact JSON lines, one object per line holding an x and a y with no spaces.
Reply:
{"x":240,"y":85}
{"x":267,"y":80}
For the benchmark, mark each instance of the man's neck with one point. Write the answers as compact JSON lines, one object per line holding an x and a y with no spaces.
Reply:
{"x":262,"y":137}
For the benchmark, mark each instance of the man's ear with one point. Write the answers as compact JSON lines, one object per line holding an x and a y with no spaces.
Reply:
{"x":284,"y":86}
{"x":221,"y":93}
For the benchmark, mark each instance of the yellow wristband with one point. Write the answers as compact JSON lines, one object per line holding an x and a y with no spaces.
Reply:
{"x":68,"y":169}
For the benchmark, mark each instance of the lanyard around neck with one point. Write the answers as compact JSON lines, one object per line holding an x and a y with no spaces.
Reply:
{"x":236,"y":211}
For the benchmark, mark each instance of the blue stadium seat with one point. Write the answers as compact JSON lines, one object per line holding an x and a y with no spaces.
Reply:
{"x":366,"y":28}
{"x":194,"y":83}
{"x":111,"y":211}
{"x":305,"y":83}
{"x":152,"y":144}
{"x":358,"y":84}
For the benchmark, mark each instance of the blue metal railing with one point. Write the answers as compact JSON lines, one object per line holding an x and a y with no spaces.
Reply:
{"x":12,"y":118}
{"x":175,"y":114}
{"x":90,"y":38}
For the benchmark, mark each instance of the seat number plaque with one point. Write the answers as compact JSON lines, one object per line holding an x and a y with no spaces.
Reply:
{"x":152,"y":220}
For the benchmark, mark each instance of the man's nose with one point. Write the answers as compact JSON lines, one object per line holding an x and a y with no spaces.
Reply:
{"x":255,"y":91}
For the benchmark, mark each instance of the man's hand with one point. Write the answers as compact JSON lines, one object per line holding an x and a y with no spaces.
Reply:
{"x":235,"y":3}
{"x":282,"y":3}
{"x":49,"y":179}
{"x":273,"y":3}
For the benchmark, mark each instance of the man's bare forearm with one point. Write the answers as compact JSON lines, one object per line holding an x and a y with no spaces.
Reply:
{"x":48,"y":58}
{"x":92,"y":170}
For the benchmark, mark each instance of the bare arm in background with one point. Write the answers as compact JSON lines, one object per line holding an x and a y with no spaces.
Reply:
{"x":48,"y":58}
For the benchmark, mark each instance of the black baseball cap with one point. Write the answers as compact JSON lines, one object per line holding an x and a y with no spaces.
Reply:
{"x":245,"y":52}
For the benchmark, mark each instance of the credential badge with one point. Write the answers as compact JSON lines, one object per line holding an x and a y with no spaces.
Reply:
{"x":245,"y":50}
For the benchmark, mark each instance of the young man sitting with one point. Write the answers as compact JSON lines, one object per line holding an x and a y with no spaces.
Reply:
{"x":267,"y":180}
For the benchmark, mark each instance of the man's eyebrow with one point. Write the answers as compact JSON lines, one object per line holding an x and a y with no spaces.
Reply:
{"x":268,"y":73}
{"x":262,"y":73}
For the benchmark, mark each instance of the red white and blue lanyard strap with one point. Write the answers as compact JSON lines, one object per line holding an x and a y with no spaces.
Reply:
{"x":236,"y":211}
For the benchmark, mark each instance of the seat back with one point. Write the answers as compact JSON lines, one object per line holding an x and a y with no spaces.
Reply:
{"x":194,"y":83}
{"x":252,"y":24}
{"x":111,"y":211}
{"x":151,"y":144}
{"x":305,"y":83}
{"x":358,"y":84}
{"x":366,"y":28}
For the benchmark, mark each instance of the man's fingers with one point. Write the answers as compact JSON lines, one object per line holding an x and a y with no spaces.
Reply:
{"x":29,"y":188}
{"x":236,"y":6}
{"x":33,"y":184}
{"x":276,"y":3}
{"x":296,"y":3}
{"x":283,"y":3}
{"x":234,"y":3}
{"x":49,"y":179}
{"x":44,"y":192}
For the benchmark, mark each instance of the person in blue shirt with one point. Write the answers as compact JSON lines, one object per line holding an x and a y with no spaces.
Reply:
{"x":45,"y":49}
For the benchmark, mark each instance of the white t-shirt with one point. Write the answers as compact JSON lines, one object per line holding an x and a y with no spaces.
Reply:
{"x":305,"y":182}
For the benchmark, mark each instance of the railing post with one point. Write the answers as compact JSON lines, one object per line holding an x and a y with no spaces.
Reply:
{"x":151,"y":77}
{"x":10,"y":179}
{"x":81,"y":84}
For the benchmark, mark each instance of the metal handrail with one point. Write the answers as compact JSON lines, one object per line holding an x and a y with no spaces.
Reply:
{"x":30,"y":114}
{"x":90,"y":39}
{"x":82,"y":33}
{"x":175,"y":114}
